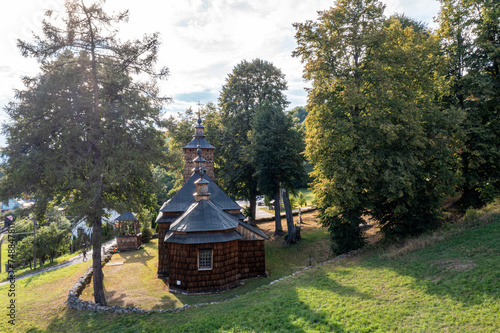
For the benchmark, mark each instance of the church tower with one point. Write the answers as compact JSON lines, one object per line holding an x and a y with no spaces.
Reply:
{"x":190,"y":154}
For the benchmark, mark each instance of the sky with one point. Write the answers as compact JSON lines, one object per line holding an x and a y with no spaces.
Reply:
{"x":202,"y":40}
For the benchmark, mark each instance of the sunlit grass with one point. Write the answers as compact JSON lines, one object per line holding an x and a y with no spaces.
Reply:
{"x":25,"y":270}
{"x":451,"y":286}
{"x":144,"y":289}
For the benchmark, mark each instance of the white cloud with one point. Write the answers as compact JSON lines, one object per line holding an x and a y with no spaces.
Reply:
{"x":202,"y":39}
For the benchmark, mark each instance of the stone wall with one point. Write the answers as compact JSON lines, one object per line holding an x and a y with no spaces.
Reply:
{"x":75,"y":303}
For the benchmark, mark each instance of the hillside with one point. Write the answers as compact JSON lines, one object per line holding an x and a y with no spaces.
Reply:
{"x":453,"y":284}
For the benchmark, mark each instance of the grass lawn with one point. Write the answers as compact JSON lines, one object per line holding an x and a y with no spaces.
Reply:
{"x":451,"y":286}
{"x":39,"y":299}
{"x":20,"y":270}
{"x":145,"y":290}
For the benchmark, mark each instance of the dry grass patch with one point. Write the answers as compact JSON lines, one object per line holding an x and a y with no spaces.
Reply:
{"x":457,"y":265}
{"x":455,"y":225}
{"x":130,"y":280}
{"x":415,"y":244}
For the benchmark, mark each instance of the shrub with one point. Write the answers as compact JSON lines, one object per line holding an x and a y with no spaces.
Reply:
{"x":246,"y":211}
{"x":146,"y":234}
{"x":344,"y":231}
{"x":301,"y":199}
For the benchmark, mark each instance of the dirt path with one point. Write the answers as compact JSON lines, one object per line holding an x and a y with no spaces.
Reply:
{"x":310,"y":222}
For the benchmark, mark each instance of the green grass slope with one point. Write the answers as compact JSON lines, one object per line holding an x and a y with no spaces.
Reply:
{"x":451,"y":286}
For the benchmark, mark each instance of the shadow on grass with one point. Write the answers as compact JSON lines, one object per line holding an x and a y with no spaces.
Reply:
{"x":142,"y":255}
{"x":113,"y":298}
{"x":465,"y":267}
{"x":273,"y":309}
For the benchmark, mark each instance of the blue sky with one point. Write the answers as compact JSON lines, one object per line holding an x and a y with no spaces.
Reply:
{"x":202,"y":40}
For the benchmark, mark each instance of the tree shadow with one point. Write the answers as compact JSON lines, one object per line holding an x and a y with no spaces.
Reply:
{"x":143,"y":255}
{"x":168,"y":301}
{"x":278,"y":308}
{"x":115,"y":298}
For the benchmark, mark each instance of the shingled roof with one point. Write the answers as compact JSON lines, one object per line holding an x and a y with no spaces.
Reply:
{"x":203,"y":216}
{"x":204,"y":144}
{"x":127,"y":216}
{"x":202,"y":238}
{"x":183,"y":199}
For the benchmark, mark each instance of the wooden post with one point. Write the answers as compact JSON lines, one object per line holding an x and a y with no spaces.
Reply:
{"x":34,"y":243}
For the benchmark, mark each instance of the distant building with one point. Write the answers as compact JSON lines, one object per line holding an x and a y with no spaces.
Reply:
{"x":15,"y":203}
{"x":80,"y":227}
{"x":204,"y":244}
{"x":11,"y":204}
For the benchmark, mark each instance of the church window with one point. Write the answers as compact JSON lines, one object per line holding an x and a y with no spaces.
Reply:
{"x":204,"y":259}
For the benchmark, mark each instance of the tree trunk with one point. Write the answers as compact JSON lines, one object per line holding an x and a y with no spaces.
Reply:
{"x":277,"y":214}
{"x":253,"y":205}
{"x":98,"y":276}
{"x":293,"y":233}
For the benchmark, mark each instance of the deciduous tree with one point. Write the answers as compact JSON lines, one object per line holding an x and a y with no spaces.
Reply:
{"x":247,"y":87}
{"x":380,"y":143}
{"x":470,"y":35}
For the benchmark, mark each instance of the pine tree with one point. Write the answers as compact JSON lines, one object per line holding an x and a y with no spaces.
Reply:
{"x":84,"y":131}
{"x":276,"y":153}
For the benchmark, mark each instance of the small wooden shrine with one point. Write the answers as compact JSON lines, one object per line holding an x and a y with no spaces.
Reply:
{"x":204,"y":245}
{"x":129,"y":235}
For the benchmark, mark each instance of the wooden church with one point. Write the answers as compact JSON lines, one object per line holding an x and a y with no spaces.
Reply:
{"x":204,"y":245}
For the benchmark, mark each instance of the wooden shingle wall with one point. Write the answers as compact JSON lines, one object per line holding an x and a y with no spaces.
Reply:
{"x":251,"y":258}
{"x":184,"y":273}
{"x":162,"y":250}
{"x":190,"y":154}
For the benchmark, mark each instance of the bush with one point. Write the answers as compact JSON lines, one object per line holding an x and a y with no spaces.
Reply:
{"x":107,"y":232}
{"x":301,"y":200}
{"x":267,"y":200}
{"x":146,"y":234}
{"x":246,"y":211}
{"x":293,"y":202}
{"x":24,"y":251}
{"x":344,"y":232}
{"x":488,"y":192}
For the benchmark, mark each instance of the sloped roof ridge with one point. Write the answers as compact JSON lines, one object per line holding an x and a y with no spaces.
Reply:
{"x":204,"y":144}
{"x":181,"y":201}
{"x":204,"y":216}
{"x":126,"y":216}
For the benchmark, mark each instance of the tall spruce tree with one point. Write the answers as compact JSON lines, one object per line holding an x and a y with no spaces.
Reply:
{"x":84,"y":131}
{"x":247,"y":87}
{"x":379,"y":141}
